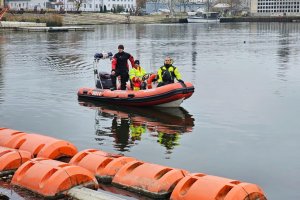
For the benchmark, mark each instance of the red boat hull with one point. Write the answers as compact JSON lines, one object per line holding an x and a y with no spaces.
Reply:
{"x":162,"y":96}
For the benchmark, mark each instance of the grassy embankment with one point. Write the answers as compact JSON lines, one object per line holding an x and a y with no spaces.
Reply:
{"x":86,"y":18}
{"x":49,"y":19}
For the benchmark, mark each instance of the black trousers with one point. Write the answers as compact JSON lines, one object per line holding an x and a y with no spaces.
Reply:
{"x":124,"y":78}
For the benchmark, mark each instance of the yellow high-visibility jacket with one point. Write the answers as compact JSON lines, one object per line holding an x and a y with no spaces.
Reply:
{"x":173,"y":71}
{"x":136,"y":73}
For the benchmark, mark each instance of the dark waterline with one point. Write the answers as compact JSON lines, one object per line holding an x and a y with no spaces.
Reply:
{"x":241,"y":122}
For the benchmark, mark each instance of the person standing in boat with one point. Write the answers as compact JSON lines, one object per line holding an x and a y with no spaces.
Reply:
{"x":136,"y":75}
{"x":120,"y":67}
{"x":167,"y":73}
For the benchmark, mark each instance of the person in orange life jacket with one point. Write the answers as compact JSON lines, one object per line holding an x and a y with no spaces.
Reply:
{"x":136,"y":74}
{"x":167,"y":73}
{"x":120,"y":67}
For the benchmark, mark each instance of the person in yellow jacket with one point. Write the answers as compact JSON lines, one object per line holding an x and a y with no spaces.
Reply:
{"x":167,"y":73}
{"x":136,"y":75}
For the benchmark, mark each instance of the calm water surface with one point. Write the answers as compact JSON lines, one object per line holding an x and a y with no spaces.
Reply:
{"x":241,"y":123}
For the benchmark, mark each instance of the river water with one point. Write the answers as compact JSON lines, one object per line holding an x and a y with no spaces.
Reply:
{"x":241,"y":123}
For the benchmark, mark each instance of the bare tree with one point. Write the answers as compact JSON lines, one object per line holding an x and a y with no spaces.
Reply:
{"x":184,"y":3}
{"x":156,"y":2}
{"x":78,"y":4}
{"x":235,"y":3}
{"x":170,"y":4}
{"x":139,"y":5}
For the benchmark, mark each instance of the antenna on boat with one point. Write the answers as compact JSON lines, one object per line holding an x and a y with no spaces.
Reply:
{"x":97,"y":58}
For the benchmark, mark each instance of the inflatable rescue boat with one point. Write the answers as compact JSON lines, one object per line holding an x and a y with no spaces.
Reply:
{"x":171,"y":95}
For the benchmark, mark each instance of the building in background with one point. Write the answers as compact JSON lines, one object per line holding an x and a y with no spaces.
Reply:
{"x":26,"y":4}
{"x":275,"y":7}
{"x":69,"y":5}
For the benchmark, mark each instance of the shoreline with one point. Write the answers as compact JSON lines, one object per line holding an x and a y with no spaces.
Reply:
{"x":87,"y":18}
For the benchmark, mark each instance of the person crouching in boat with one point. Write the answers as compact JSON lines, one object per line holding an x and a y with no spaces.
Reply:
{"x":120,"y":67}
{"x":136,"y":75}
{"x":167,"y":73}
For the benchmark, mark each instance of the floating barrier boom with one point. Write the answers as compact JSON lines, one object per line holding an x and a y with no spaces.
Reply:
{"x":52,"y":178}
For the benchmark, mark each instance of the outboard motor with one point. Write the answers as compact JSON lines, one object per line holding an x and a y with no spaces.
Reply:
{"x":102,"y":79}
{"x":105,"y":80}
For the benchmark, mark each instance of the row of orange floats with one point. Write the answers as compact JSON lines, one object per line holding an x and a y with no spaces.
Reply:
{"x":32,"y":157}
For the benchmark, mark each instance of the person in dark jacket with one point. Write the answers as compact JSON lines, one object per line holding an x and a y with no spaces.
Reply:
{"x":120,"y":67}
{"x":167,"y":73}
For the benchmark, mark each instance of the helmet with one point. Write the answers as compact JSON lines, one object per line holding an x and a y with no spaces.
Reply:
{"x":121,"y":46}
{"x":137,"y":62}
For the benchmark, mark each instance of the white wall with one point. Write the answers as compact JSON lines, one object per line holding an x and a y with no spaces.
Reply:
{"x":94,"y":5}
{"x":16,"y":5}
{"x":87,"y":5}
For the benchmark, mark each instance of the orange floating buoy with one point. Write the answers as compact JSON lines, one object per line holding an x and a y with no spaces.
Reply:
{"x":44,"y":146}
{"x":51,"y":178}
{"x":202,"y":187}
{"x":149,"y":179}
{"x":12,"y":159}
{"x":102,"y":164}
{"x":8,"y":136}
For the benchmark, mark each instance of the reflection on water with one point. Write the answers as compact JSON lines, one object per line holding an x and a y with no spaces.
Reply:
{"x":283,"y":56}
{"x":15,"y":193}
{"x":286,"y":42}
{"x":282,"y":28}
{"x":129,"y":124}
{"x":287,"y":51}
